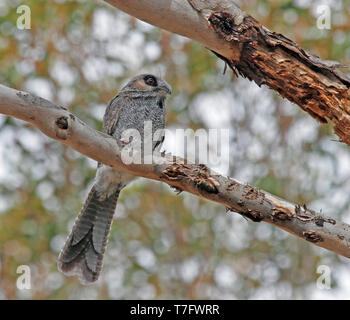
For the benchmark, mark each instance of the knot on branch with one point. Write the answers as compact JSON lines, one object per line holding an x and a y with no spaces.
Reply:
{"x":312,"y":236}
{"x":252,"y":193}
{"x":204,"y":181}
{"x":281,"y":214}
{"x":175,"y":171}
{"x":223,"y":22}
{"x":62,"y":127}
{"x":306,"y":215}
{"x":62,"y":123}
{"x":319,"y":221}
{"x":199,"y":175}
{"x":253,"y":215}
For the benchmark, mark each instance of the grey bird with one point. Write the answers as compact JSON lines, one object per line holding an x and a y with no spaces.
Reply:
{"x":142,"y":99}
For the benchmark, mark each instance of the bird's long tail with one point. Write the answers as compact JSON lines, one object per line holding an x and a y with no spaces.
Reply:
{"x":82,"y":254}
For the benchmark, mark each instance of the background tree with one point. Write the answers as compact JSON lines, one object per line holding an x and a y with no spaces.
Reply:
{"x":176,"y":246}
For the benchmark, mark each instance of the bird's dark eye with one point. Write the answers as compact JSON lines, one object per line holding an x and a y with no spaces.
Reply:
{"x":151,"y":81}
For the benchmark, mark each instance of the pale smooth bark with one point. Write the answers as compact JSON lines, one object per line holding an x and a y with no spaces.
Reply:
{"x":182,"y":17}
{"x":59,"y":124}
{"x":253,"y":51}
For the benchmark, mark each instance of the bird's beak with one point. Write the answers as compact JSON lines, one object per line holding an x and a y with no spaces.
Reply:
{"x":166,"y":88}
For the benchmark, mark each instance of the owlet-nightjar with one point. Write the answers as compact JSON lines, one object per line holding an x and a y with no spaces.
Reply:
{"x":141,"y":100}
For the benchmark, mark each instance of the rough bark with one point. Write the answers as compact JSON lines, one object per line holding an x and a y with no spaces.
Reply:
{"x":59,"y":124}
{"x":255,"y":52}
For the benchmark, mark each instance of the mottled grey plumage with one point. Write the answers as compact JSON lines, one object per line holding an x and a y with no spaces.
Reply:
{"x":142,"y":99}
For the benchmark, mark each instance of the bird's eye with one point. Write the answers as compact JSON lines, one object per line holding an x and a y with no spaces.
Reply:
{"x":151,"y":81}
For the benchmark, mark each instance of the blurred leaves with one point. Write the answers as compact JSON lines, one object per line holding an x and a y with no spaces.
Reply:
{"x":78,"y":54}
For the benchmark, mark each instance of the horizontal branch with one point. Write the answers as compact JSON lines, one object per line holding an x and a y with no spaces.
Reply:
{"x":255,"y":52}
{"x":258,"y":205}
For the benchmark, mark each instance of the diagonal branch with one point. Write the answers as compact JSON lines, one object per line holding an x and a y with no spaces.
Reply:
{"x":59,"y":124}
{"x":255,"y":52}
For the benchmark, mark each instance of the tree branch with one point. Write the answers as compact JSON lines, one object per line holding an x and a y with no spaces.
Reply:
{"x":59,"y":124}
{"x":254,"y":52}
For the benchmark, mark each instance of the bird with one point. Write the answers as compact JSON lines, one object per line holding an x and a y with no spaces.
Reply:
{"x":142,"y":99}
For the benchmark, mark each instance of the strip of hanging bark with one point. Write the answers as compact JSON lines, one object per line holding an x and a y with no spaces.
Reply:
{"x":257,"y":205}
{"x":256,"y":53}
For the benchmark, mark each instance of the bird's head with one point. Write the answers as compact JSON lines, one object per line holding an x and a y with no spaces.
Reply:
{"x":148,"y":83}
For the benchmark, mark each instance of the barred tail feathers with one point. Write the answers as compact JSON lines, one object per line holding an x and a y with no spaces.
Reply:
{"x":83,"y":251}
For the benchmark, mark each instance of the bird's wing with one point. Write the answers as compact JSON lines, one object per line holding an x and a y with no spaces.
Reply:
{"x":111,"y":116}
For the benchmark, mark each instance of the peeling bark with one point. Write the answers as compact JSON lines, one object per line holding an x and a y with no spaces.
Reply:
{"x":271,"y":59}
{"x":254,"y":52}
{"x":257,"y":205}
